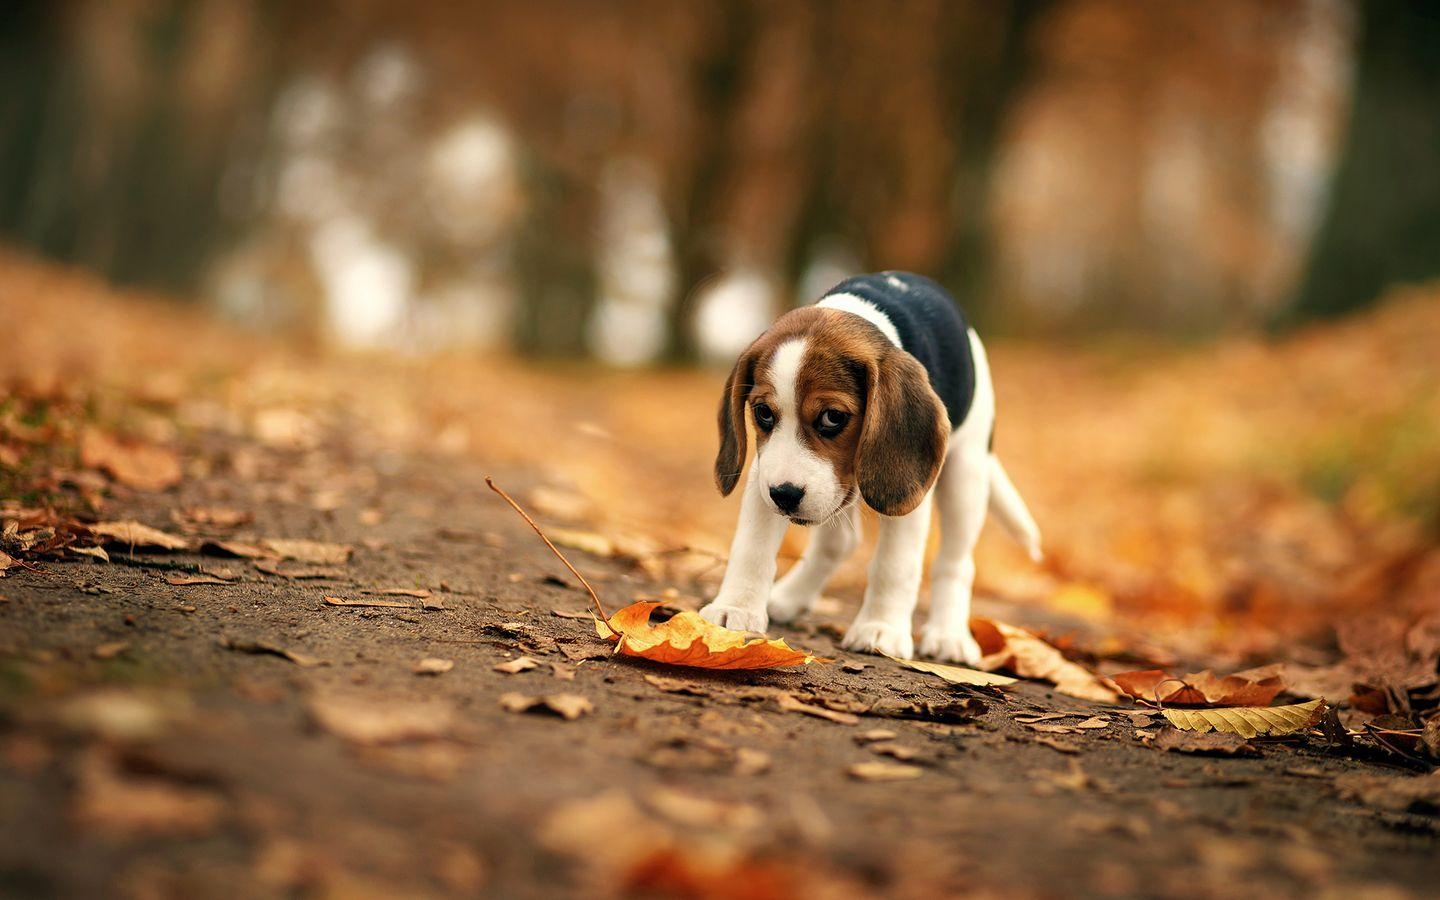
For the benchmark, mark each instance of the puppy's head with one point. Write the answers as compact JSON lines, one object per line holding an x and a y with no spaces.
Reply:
{"x":837,"y":410}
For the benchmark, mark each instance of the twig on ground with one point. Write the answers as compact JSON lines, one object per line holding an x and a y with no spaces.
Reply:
{"x":553,"y":549}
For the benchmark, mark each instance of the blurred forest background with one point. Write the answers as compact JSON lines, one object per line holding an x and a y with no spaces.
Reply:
{"x":644,"y":180}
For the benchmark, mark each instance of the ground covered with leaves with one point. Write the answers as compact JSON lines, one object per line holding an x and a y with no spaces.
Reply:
{"x":265,"y":630}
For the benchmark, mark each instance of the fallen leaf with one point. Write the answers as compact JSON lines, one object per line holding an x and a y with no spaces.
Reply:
{"x":1247,"y":721}
{"x":562,"y":672}
{"x":241,"y":549}
{"x":572,"y":614}
{"x":895,"y":751}
{"x":133,"y":464}
{"x":110,"y":649}
{"x":180,"y":579}
{"x":386,"y":604}
{"x":883,"y":771}
{"x":1418,"y":794}
{"x":1094,"y":723}
{"x":688,"y":640}
{"x":431,"y":665}
{"x":515,"y":666}
{"x":417,"y":593}
{"x":1058,"y":745}
{"x":303,"y":660}
{"x":211,"y":517}
{"x":6,"y":561}
{"x":956,"y":674}
{"x":875,"y":734}
{"x":132,"y":534}
{"x":314,"y":552}
{"x":953,"y":712}
{"x":567,"y":706}
{"x":1210,"y":743}
{"x":788,"y":703}
{"x":122,"y":804}
{"x":1015,"y":649}
{"x":585,"y":541}
{"x":92,"y":552}
{"x":1254,"y":688}
{"x":362,"y":719}
{"x":274,"y":567}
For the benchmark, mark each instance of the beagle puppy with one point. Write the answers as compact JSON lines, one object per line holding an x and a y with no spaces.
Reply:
{"x":879,"y":392}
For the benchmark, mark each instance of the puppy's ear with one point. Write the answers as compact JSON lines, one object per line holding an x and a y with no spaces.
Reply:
{"x":730,"y":461}
{"x":903,"y":437}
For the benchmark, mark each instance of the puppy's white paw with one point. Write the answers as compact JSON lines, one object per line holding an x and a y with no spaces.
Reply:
{"x":735,"y":618}
{"x":785,"y":608}
{"x":875,"y":636}
{"x":950,"y":645}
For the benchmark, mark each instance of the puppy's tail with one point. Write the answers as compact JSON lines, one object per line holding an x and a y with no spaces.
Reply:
{"x":1007,"y":505}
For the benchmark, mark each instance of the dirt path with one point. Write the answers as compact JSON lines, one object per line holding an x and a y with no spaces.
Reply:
{"x":193,"y":722}
{"x":174,"y":766}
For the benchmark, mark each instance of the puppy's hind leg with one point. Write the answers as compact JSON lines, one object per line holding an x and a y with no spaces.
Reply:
{"x":831,"y":543}
{"x":963,"y":493}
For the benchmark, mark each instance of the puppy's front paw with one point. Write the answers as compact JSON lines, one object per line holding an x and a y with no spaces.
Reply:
{"x":874,"y":636}
{"x":950,"y":645}
{"x":735,"y":618}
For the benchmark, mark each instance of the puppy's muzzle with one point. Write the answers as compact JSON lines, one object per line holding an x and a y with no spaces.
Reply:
{"x":787,"y":497}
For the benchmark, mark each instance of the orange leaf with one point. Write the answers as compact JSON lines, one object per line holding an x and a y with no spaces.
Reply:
{"x":688,"y":640}
{"x":1015,"y":649}
{"x":1255,"y":687}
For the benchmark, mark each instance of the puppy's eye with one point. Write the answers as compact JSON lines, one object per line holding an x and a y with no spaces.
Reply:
{"x":831,"y":422}
{"x":764,"y":417}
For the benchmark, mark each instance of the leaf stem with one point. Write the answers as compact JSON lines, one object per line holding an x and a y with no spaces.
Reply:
{"x":553,"y":549}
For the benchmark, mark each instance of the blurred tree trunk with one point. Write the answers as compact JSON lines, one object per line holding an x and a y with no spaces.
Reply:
{"x":554,"y":263}
{"x":985,"y":67}
{"x":696,"y":226}
{"x":1383,"y":222}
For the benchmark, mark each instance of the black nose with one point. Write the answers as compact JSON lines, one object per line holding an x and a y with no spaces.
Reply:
{"x":787,"y":496}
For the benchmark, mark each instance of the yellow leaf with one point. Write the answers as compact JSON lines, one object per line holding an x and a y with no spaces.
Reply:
{"x":688,"y":640}
{"x":1248,"y":721}
{"x":956,"y":674}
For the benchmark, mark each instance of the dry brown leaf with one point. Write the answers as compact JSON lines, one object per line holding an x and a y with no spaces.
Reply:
{"x":788,"y":703}
{"x":366,"y":720}
{"x":417,"y":593}
{"x":241,"y":549}
{"x":956,"y":674}
{"x":883,"y":771}
{"x":386,"y":604}
{"x":211,"y":517}
{"x":1257,"y":687}
{"x":1008,"y":647}
{"x":303,"y":660}
{"x":431,"y":665}
{"x":317,"y":553}
{"x":181,"y":579}
{"x":131,"y":534}
{"x":122,"y":804}
{"x":875,"y":734}
{"x":688,"y":640}
{"x":92,"y":552}
{"x":141,"y":466}
{"x":6,"y":561}
{"x":585,"y":541}
{"x":567,"y":706}
{"x":516,"y":666}
{"x":1417,"y":794}
{"x":1209,"y":743}
{"x":1248,"y":721}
